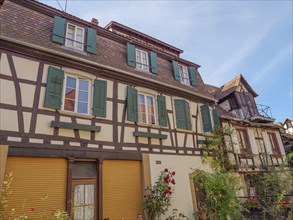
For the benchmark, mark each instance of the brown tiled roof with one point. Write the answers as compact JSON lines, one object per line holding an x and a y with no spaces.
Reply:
{"x":231,"y":86}
{"x":31,"y":22}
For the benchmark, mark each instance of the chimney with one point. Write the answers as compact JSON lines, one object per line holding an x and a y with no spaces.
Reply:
{"x":95,"y":21}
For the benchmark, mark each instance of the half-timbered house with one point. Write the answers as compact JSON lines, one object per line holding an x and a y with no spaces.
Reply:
{"x":254,"y":139}
{"x":90,"y":115}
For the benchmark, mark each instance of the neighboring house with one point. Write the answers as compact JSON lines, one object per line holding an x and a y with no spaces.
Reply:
{"x":287,"y":134}
{"x":255,"y":140}
{"x":288,"y":126}
{"x":91,"y":115}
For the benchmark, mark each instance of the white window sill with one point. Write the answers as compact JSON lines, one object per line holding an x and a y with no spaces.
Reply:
{"x":62,"y":112}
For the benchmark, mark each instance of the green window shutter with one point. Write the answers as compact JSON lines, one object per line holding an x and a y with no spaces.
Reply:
{"x":182,"y":114}
{"x":162,"y":111}
{"x":100,"y":96}
{"x":58,"y":30}
{"x":193,"y":75}
{"x":216,"y":117}
{"x":187,"y":116}
{"x":176,"y":70}
{"x":53,"y":94}
{"x":132,"y":111}
{"x":206,"y":118}
{"x":91,"y":41}
{"x":154,"y":62}
{"x":131,"y":55}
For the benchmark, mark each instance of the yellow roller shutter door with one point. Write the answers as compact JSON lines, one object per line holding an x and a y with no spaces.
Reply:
{"x":122,"y":189}
{"x":38,"y":183}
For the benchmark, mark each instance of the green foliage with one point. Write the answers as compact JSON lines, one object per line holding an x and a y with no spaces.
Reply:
{"x":289,"y":158}
{"x":221,"y":198}
{"x":215,"y":149}
{"x":271,"y":186}
{"x":158,"y":196}
{"x":5,"y":192}
{"x":176,"y":216}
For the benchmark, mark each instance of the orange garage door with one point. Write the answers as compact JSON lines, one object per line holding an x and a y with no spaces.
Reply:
{"x":38,"y":186}
{"x":122,"y":189}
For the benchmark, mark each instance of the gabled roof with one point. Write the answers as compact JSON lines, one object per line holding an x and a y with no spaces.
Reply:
{"x":231,"y":86}
{"x":287,"y":119}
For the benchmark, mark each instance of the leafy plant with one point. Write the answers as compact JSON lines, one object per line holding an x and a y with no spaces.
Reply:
{"x":251,"y":203}
{"x":221,"y":198}
{"x":271,"y":186}
{"x":215,"y":149}
{"x":157,"y":199}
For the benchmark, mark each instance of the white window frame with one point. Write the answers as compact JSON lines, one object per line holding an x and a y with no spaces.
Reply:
{"x":76,"y":94}
{"x":139,"y":60}
{"x":68,"y":40}
{"x":146,"y":108}
{"x":184,"y":75}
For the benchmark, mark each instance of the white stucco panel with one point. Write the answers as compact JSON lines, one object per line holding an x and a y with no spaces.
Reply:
{"x":7,"y":92}
{"x":8,"y":120}
{"x":27,"y":94}
{"x":4,"y":65}
{"x":27,"y":121}
{"x":26,"y":69}
{"x":43,"y":124}
{"x":183,"y":166}
{"x":106,"y":133}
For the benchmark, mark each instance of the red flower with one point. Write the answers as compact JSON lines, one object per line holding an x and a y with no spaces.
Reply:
{"x":170,"y":192}
{"x":173,"y":181}
{"x":169,"y":188}
{"x":283,"y":203}
{"x":166,"y":192}
{"x":173,"y":173}
{"x":166,"y":170}
{"x":31,"y":209}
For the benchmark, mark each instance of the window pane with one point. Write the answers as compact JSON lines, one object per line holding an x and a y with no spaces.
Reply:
{"x":69,"y":105}
{"x":141,"y":108}
{"x":82,"y":107}
{"x":70,"y":82}
{"x":78,"y":213}
{"x":89,"y":194}
{"x":89,"y":213}
{"x":83,"y":96}
{"x":83,"y":85}
{"x":78,"y":195}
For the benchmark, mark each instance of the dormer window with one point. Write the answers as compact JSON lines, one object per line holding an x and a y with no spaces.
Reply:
{"x":74,"y":37}
{"x":186,"y":75}
{"x":142,"y":61}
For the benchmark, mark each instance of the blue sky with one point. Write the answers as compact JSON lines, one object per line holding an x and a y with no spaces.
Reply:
{"x":226,"y":38}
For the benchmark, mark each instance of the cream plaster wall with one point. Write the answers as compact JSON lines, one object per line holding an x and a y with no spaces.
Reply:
{"x":167,"y":142}
{"x":183,"y":166}
{"x":8,"y":120}
{"x":7,"y":92}
{"x":128,"y":135}
{"x":4,"y":65}
{"x":180,"y":139}
{"x":43,"y":124}
{"x":27,"y":116}
{"x":106,"y":133}
{"x":169,"y":103}
{"x":26,"y":69}
{"x":27,"y":94}
{"x":122,"y":90}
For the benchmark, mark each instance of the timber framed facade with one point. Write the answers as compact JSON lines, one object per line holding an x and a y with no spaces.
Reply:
{"x":91,"y":115}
